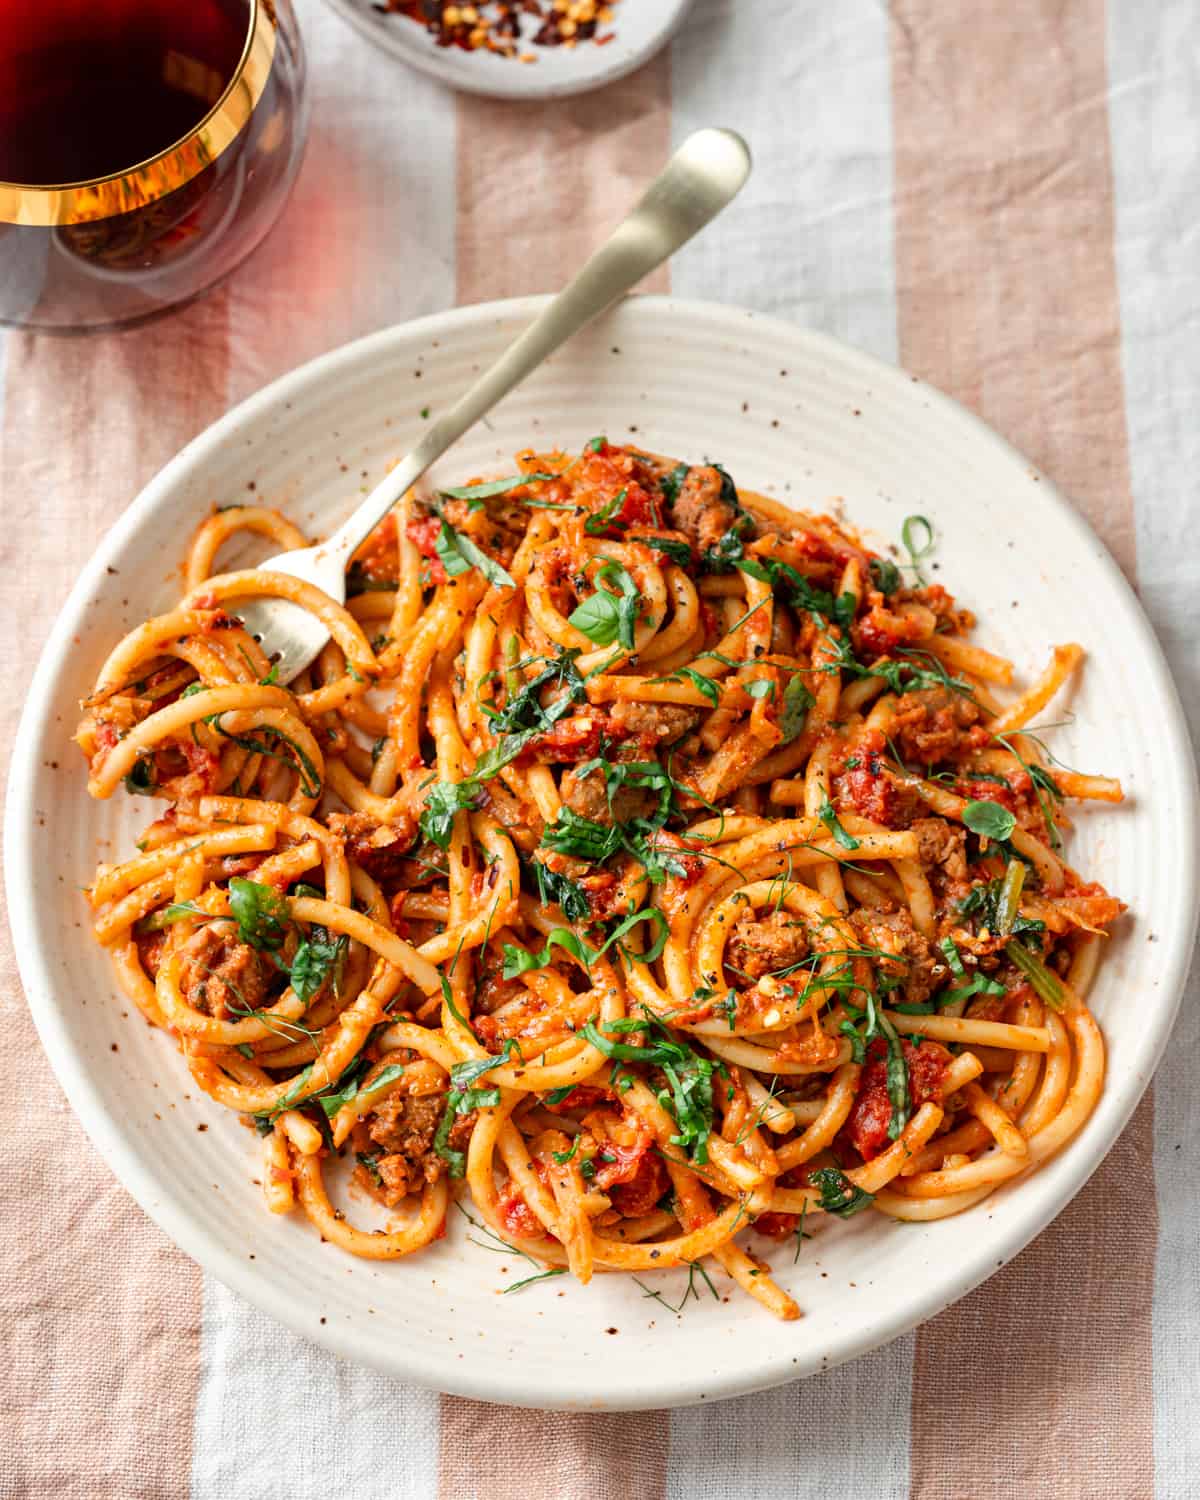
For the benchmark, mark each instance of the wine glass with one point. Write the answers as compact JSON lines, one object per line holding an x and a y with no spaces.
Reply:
{"x":146,"y":147}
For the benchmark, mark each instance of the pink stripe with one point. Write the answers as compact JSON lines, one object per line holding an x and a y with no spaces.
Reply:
{"x":101,"y":1315}
{"x":1040,"y":1381}
{"x":538,"y":188}
{"x":536,"y":192}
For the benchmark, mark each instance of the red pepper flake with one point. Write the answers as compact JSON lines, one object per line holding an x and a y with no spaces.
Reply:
{"x":496,"y":25}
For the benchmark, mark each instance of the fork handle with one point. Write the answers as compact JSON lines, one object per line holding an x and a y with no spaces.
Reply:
{"x":703,"y":176}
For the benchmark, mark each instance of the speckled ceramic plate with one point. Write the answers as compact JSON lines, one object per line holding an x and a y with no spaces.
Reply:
{"x":638,"y":29}
{"x":792,"y":414}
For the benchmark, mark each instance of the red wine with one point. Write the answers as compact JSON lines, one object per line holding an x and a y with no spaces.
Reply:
{"x":89,"y":88}
{"x":146,"y":147}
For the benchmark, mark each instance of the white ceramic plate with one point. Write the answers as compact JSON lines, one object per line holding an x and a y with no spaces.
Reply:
{"x":639,"y":28}
{"x":790,"y":413}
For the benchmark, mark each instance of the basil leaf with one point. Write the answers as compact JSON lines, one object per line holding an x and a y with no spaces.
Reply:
{"x":689,"y":1077}
{"x":494,"y":487}
{"x":140,"y":779}
{"x":604,"y":618}
{"x":989,"y":820}
{"x":464,"y":1074}
{"x":597,"y":618}
{"x":793,"y":712}
{"x":317,"y":956}
{"x":488,"y":566}
{"x":456,"y":1161}
{"x":333,"y":1100}
{"x":582,"y":838}
{"x":831,"y":821}
{"x":443,"y":801}
{"x":261,"y":913}
{"x":838,"y":1194}
{"x":760,"y":687}
{"x":446,"y":546}
{"x":518,"y":961}
{"x":670,"y":484}
{"x":601,"y":521}
{"x":678,"y":552}
{"x":886,"y":575}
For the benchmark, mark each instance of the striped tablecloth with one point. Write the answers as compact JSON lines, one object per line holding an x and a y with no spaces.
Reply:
{"x":1004,"y":198}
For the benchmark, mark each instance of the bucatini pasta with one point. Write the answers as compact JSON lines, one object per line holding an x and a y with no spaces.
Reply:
{"x":655,"y":866}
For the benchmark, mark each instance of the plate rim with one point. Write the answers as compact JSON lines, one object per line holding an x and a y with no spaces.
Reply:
{"x":528,"y":1389}
{"x":428,"y":59}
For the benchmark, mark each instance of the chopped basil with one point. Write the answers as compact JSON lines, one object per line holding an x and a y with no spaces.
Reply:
{"x":793,"y":712}
{"x":458,"y":554}
{"x":494,"y":487}
{"x":670,"y":484}
{"x":581,"y":837}
{"x":464,"y":1074}
{"x":318,"y":956}
{"x":831,"y":821}
{"x":443,"y":800}
{"x":559,"y":889}
{"x":140,"y":779}
{"x":602,"y":520}
{"x":975,"y":984}
{"x":885,"y":574}
{"x":838,"y":1194}
{"x":698,"y":680}
{"x":689,"y":1097}
{"x":678,"y":552}
{"x":332,"y":1100}
{"x":985,"y":901}
{"x":518,"y":961}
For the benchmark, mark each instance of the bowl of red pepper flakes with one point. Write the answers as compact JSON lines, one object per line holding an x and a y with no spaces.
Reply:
{"x":518,"y":49}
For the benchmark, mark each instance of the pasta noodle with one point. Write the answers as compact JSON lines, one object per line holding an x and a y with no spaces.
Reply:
{"x":642,"y":861}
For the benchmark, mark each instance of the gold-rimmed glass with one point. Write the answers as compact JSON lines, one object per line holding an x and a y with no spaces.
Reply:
{"x":146,"y":147}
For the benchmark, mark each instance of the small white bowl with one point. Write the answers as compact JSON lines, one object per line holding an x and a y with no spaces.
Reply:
{"x":639,"y":27}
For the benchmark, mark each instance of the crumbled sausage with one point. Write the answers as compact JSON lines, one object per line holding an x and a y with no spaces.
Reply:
{"x":934,"y":725}
{"x":587,"y":797}
{"x":382,"y":850}
{"x":943,"y":845}
{"x":909,"y":957}
{"x":404,"y":1128}
{"x":699,"y":511}
{"x":220,"y":976}
{"x":758,"y":947}
{"x":661,"y":723}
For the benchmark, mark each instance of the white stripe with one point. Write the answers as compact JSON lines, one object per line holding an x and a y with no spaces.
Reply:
{"x":839,"y":1436}
{"x":810,"y":237}
{"x":367,"y":240}
{"x":1153,"y":106}
{"x":808,"y":83}
{"x":277,"y":1418}
{"x":368,"y":237}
